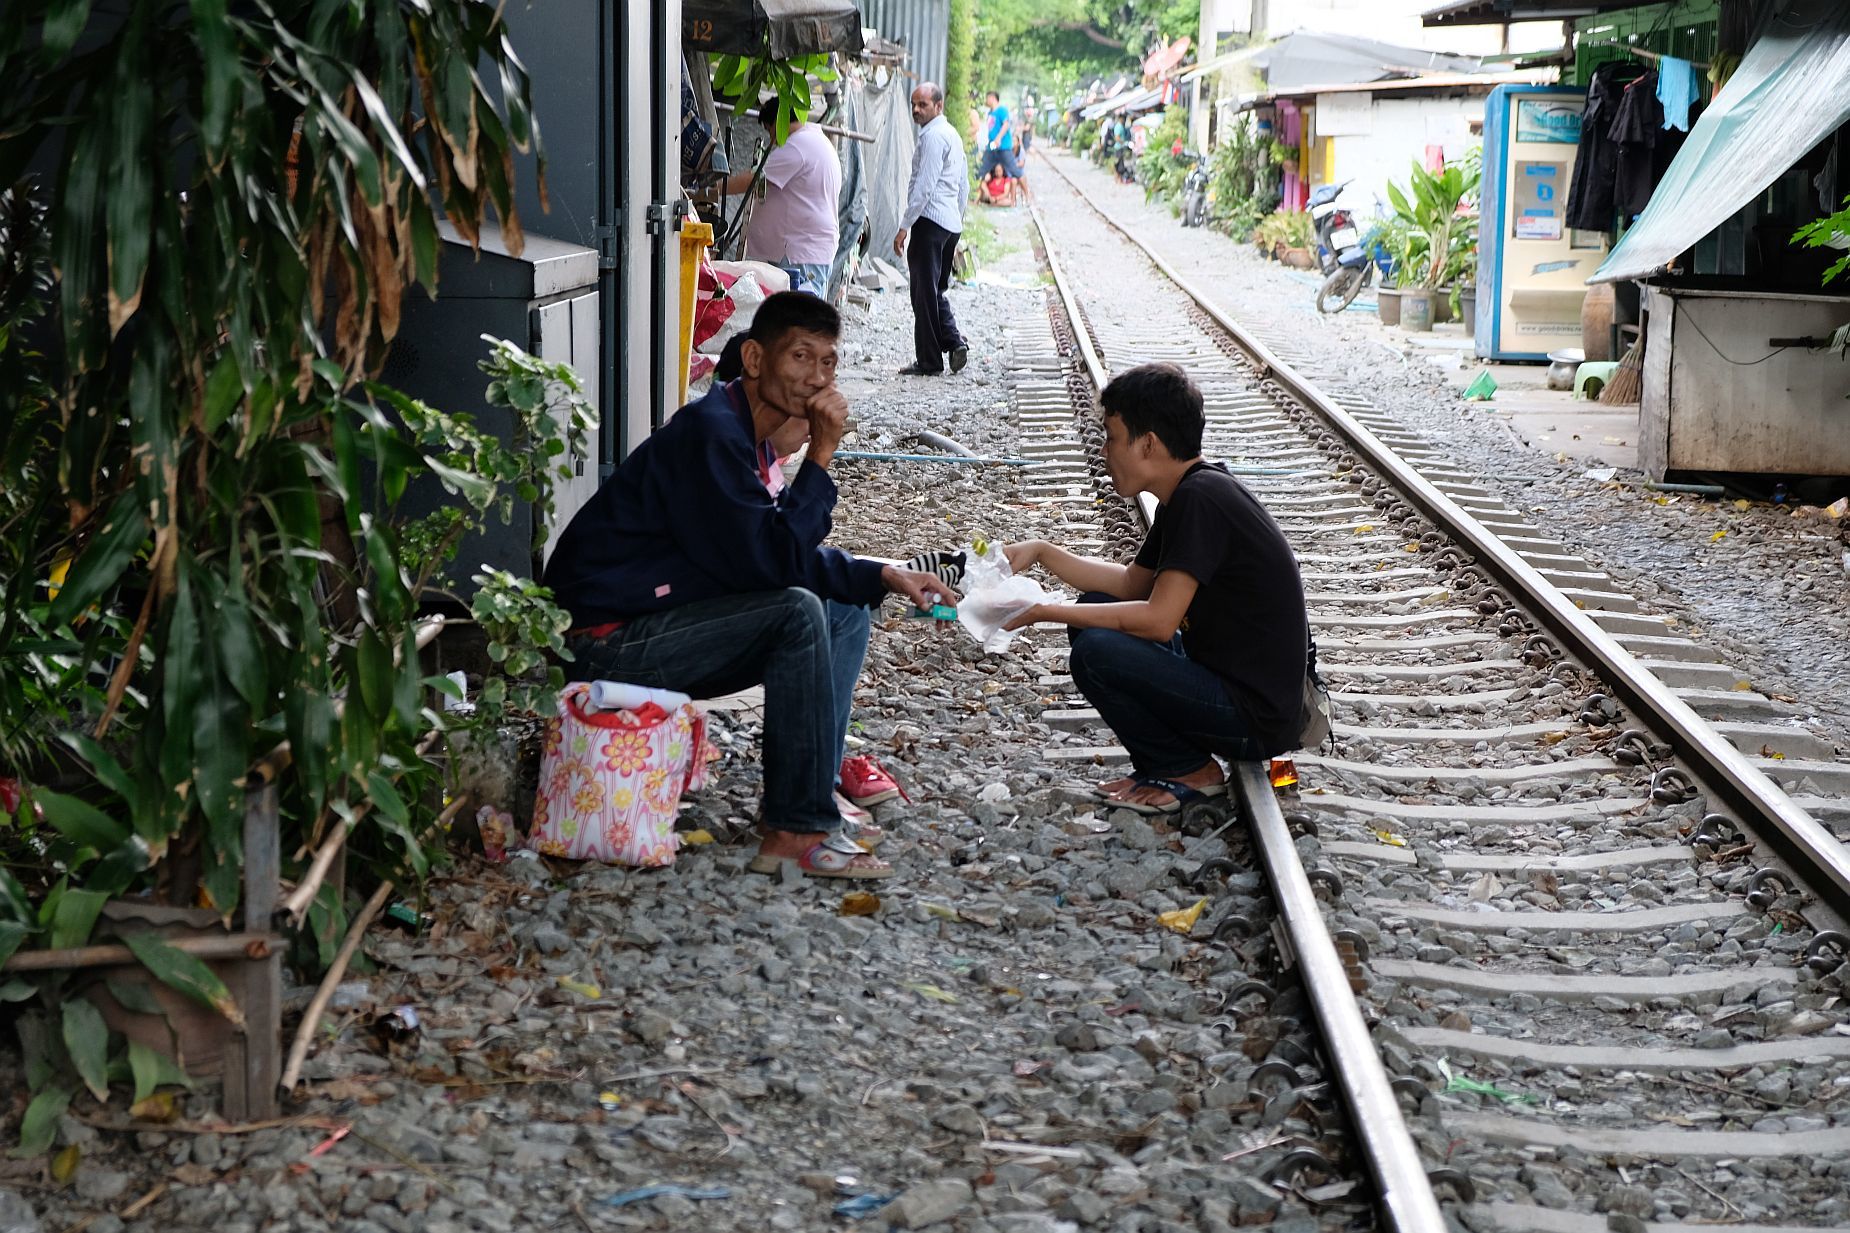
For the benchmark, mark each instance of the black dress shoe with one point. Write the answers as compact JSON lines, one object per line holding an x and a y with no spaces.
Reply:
{"x":960,"y":356}
{"x":914,"y":370}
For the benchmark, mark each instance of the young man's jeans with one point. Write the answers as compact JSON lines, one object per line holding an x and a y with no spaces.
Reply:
{"x":806,"y":654}
{"x":812,"y":277}
{"x":1168,"y":711}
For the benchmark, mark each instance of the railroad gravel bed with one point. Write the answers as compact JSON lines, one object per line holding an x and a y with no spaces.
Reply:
{"x":1675,"y":970}
{"x":1008,"y":1043}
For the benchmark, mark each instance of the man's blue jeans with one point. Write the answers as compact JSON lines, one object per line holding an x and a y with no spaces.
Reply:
{"x":790,"y":642}
{"x":1169,"y":712}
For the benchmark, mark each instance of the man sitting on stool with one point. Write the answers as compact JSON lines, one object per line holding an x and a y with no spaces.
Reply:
{"x":685,"y":573}
{"x":1198,"y":646}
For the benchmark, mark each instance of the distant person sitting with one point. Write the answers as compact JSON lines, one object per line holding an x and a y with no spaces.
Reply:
{"x":795,"y":225}
{"x":1198,"y":647}
{"x":998,"y":189}
{"x":684,"y":572}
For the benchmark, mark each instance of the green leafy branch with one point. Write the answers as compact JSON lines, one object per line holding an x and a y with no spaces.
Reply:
{"x":745,"y":79}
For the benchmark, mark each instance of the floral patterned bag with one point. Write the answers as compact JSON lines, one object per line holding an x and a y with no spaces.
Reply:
{"x":610,"y":781}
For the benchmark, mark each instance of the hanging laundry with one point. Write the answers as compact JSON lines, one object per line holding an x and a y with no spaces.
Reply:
{"x":1635,"y":132}
{"x":1590,"y":196}
{"x":1676,"y":90}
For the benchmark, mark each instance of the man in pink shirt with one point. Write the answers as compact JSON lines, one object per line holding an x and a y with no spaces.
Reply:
{"x":794,"y":224}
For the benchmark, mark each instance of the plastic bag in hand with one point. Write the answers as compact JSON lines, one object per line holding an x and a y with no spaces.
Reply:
{"x":993,"y":595}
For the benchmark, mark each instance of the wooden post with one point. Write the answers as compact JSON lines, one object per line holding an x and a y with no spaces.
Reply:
{"x":253,"y":1060}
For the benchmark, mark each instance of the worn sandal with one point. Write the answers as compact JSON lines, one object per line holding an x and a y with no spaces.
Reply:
{"x":1182,"y":793}
{"x":834,"y":857}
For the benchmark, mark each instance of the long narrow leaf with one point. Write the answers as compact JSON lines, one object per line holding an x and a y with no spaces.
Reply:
{"x":86,"y":1039}
{"x":182,"y":971}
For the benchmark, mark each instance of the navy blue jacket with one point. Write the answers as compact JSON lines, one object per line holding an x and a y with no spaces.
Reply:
{"x":687,"y":517}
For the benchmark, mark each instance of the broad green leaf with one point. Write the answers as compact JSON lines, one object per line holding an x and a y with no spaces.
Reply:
{"x":387,"y":128}
{"x":40,"y":1124}
{"x":101,"y":563}
{"x":13,"y":899}
{"x":64,"y":25}
{"x":153,"y":1069}
{"x":74,"y":917}
{"x":103,"y":764}
{"x":241,"y":653}
{"x":80,"y":821}
{"x":373,"y":668}
{"x":218,"y":54}
{"x":221,"y":756}
{"x":223,"y":389}
{"x":386,"y":799}
{"x":86,"y":1039}
{"x":13,"y":935}
{"x":182,"y":971}
{"x":17,"y":990}
{"x":135,"y":997}
{"x":468,"y":485}
{"x":131,"y":204}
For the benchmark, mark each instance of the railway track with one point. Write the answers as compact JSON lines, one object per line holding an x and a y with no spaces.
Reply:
{"x":1565,"y":903}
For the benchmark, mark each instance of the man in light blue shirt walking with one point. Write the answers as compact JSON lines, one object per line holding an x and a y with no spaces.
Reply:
{"x":999,"y":141}
{"x":934,"y":221}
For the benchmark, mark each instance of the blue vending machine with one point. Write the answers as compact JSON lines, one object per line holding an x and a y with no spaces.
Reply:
{"x":1532,"y":267}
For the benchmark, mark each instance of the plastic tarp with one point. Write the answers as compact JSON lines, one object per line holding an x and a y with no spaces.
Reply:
{"x":876,"y":175}
{"x":1312,"y":58}
{"x":1124,"y":102}
{"x":1790,"y":93}
{"x":783,"y":28}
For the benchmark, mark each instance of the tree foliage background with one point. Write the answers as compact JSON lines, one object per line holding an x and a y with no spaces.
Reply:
{"x":1052,"y":45}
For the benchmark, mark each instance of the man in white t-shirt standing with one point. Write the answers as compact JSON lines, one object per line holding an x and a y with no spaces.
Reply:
{"x":794,"y":226}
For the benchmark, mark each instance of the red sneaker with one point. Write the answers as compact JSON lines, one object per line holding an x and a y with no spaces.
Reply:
{"x":865,"y":783}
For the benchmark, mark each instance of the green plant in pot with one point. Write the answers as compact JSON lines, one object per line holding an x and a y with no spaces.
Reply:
{"x":1429,"y":208}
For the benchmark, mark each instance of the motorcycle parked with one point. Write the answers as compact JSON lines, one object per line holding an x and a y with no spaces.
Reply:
{"x":1332,"y":223}
{"x":1355,"y":269}
{"x":1195,"y":192}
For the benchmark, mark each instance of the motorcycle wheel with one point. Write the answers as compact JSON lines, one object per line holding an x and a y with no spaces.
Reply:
{"x":1339,"y":290}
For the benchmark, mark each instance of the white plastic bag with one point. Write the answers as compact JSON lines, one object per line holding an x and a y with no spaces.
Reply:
{"x":746,"y":295}
{"x":994,"y":595}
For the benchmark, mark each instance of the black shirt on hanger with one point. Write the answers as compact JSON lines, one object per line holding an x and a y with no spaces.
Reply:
{"x":1637,"y":131}
{"x":1590,"y":194}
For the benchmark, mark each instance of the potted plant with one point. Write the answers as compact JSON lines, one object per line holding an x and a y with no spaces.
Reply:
{"x":1399,"y":241}
{"x":1430,"y":205}
{"x":1298,"y":238}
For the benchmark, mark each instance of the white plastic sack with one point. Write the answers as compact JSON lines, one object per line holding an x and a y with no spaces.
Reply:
{"x":746,"y":295}
{"x":770,"y":277}
{"x":993,"y":596}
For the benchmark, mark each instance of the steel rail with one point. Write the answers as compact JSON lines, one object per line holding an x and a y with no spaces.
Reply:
{"x":1818,"y":858}
{"x":1406,"y":1197}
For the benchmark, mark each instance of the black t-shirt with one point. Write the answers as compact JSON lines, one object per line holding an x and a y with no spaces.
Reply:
{"x":1247,"y":621}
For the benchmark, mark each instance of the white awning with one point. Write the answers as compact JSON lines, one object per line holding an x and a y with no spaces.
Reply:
{"x":1790,"y":93}
{"x":1124,"y":102}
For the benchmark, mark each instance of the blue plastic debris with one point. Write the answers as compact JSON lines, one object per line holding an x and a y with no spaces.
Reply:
{"x":644,"y":1193}
{"x":863,"y":1205}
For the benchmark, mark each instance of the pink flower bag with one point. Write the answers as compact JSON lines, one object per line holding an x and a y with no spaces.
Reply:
{"x":610,"y":781}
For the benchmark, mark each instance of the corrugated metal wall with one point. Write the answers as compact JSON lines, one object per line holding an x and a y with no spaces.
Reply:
{"x":922,"y":25}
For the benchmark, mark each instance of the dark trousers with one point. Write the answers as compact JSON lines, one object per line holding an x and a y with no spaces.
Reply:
{"x":784,"y":640}
{"x":928,"y":262}
{"x":1169,"y":712}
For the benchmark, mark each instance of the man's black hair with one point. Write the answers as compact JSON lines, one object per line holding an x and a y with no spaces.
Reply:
{"x":731,"y":359}
{"x":1157,"y":398}
{"x":994,"y":95}
{"x":799,"y":310}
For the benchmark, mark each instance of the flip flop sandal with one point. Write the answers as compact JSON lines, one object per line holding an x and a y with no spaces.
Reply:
{"x":1099,"y":793}
{"x":833,"y":857}
{"x":1182,"y":793}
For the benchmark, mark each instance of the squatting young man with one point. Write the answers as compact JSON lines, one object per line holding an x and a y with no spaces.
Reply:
{"x":1198,"y":646}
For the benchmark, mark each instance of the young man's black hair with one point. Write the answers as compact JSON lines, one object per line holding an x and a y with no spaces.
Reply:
{"x":794,"y":310}
{"x":1158,"y":398}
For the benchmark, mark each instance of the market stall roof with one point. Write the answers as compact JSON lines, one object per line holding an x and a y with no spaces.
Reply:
{"x":784,"y":28}
{"x":1134,"y":101}
{"x":1496,"y":12}
{"x":1790,"y":93}
{"x":1304,"y":57}
{"x":1413,"y":85}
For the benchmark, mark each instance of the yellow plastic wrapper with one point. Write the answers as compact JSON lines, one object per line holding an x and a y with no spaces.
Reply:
{"x":698,"y":837}
{"x":583,"y":988}
{"x":1284,"y":773}
{"x":1182,"y":920}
